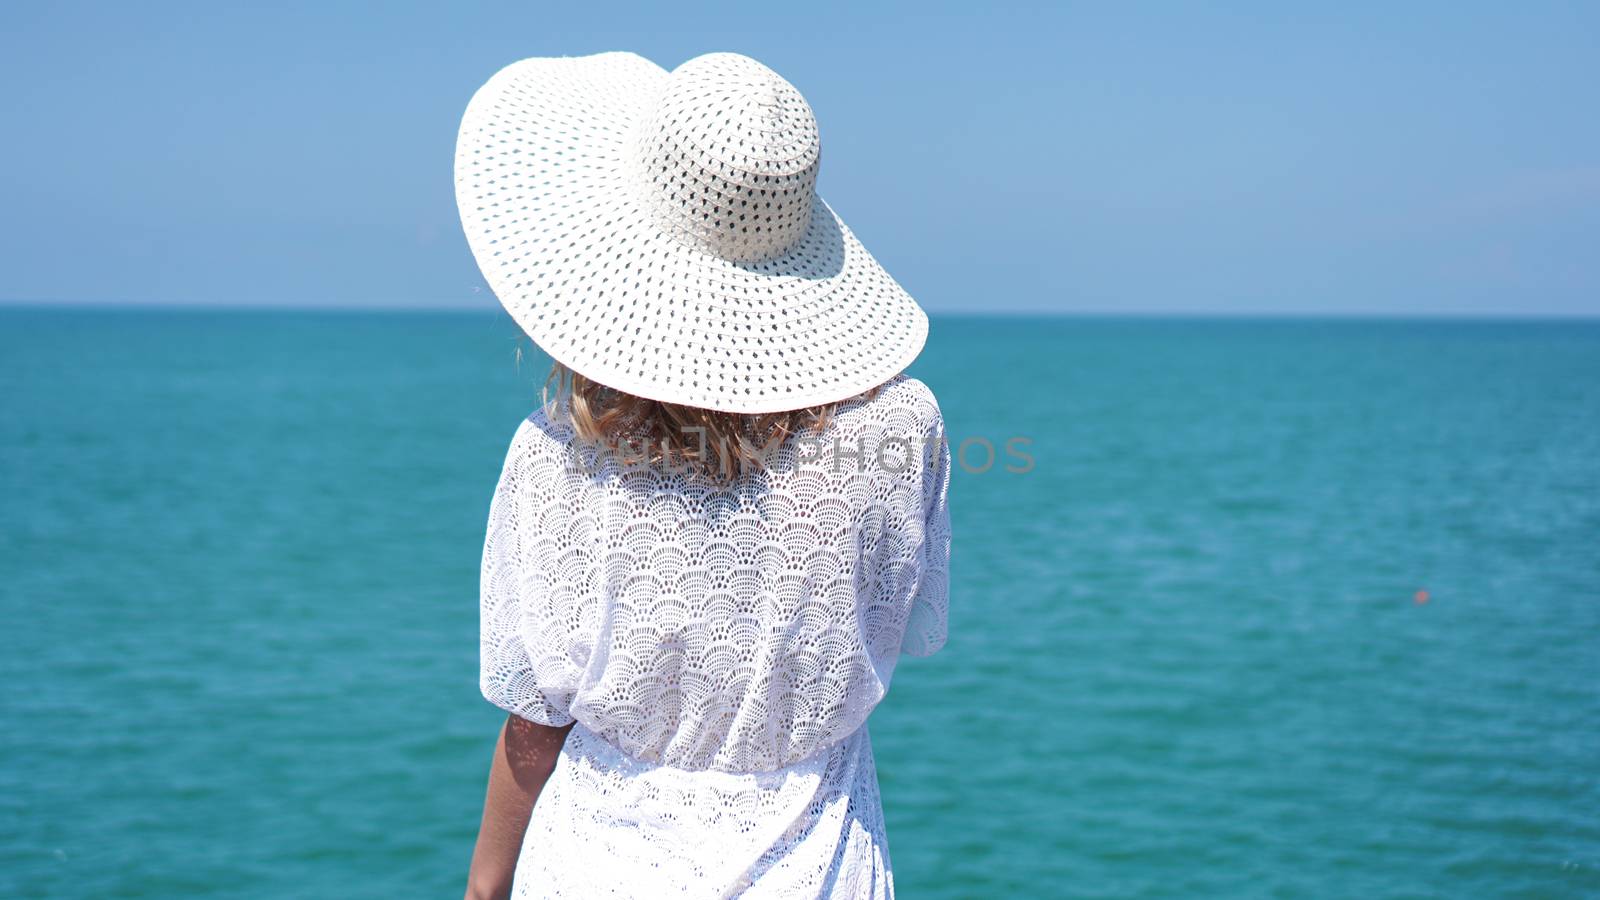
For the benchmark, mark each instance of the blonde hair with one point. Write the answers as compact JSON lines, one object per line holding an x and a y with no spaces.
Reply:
{"x":709,"y":443}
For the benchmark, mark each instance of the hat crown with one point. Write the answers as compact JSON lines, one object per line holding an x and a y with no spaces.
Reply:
{"x":726,"y":160}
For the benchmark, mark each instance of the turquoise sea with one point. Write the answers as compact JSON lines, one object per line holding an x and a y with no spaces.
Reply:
{"x":1189,"y":656}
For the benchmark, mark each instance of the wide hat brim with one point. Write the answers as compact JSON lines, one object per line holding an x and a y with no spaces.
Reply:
{"x":554,"y":217}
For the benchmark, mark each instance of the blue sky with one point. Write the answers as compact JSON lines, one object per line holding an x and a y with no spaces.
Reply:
{"x":1354,"y":158}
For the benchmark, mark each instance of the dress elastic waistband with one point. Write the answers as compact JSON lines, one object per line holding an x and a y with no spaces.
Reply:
{"x":589,"y":745}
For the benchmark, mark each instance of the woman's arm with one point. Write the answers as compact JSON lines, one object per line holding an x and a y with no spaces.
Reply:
{"x":523,"y":758}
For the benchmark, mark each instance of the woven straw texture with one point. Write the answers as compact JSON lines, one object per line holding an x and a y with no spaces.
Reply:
{"x":661,"y":234}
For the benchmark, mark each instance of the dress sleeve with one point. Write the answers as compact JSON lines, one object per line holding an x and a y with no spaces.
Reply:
{"x":928,"y":624}
{"x":526,"y":632}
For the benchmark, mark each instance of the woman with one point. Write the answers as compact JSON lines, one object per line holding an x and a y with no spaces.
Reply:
{"x":711,"y":544}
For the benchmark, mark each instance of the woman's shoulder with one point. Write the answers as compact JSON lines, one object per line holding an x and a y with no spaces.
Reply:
{"x":546,"y":428}
{"x":898,"y":397}
{"x":912,"y":390}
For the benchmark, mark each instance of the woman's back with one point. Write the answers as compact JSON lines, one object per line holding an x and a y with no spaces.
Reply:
{"x":741,"y":629}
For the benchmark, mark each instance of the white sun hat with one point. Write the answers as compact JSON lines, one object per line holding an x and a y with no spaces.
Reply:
{"x":660,"y":233}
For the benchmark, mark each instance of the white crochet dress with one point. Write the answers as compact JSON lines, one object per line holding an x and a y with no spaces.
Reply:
{"x":719,"y":650}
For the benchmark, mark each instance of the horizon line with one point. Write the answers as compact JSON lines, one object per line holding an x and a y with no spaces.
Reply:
{"x":137,"y":306}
